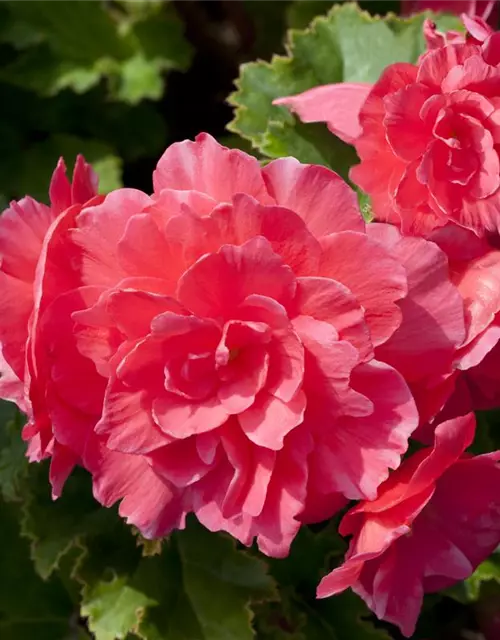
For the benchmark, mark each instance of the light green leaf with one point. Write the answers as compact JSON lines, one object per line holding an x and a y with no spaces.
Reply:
{"x":345,"y":45}
{"x":487,"y":571}
{"x":139,"y":79}
{"x":113,"y":608}
{"x":108,"y":167}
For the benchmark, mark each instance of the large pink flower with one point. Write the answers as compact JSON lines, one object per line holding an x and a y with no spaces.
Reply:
{"x":435,"y":519}
{"x":213,"y":348}
{"x":427,"y":134}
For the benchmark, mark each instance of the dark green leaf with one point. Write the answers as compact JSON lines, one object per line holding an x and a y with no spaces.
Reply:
{"x":13,"y":462}
{"x":56,"y":527}
{"x":77,"y":31}
{"x":40,"y":160}
{"x":29,"y":607}
{"x":203,"y":586}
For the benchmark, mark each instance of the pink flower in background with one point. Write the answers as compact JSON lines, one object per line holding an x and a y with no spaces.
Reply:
{"x":426,"y":134}
{"x":234,"y":345}
{"x":434,"y":521}
{"x":485,"y":9}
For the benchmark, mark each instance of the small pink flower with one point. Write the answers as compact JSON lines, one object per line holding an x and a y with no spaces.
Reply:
{"x":426,"y":134}
{"x":434,"y":521}
{"x":485,"y":9}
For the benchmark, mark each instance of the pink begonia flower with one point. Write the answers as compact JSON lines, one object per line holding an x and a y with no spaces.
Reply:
{"x":23,"y":227}
{"x":213,"y":348}
{"x":475,"y":383}
{"x":485,"y":9}
{"x":417,"y":348}
{"x":428,"y":134}
{"x":434,"y":521}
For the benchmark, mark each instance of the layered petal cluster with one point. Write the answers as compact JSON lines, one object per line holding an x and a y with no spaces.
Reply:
{"x":235,"y":345}
{"x":427,"y":134}
{"x":473,"y":381}
{"x":23,"y":228}
{"x":434,"y":521}
{"x":475,"y":270}
{"x":485,"y":9}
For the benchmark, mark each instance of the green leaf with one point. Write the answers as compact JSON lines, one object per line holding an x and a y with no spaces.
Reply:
{"x":17,"y":33}
{"x":487,"y":571}
{"x":311,"y":143}
{"x":341,"y":617}
{"x":130,"y":49}
{"x":13,"y":462}
{"x":29,"y":607}
{"x":39,"y":161}
{"x":299,"y":615}
{"x":77,"y":31}
{"x":311,"y":555}
{"x":56,"y":527}
{"x":160,"y":37}
{"x":114,"y":608}
{"x":346,"y":45}
{"x":204,"y":587}
{"x":139,"y":79}
{"x":344,"y":617}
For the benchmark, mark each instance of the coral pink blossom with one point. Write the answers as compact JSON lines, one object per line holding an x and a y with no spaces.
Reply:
{"x":475,"y":271}
{"x":23,"y":227}
{"x":485,"y":9}
{"x":434,"y":521}
{"x":234,"y":345}
{"x":429,"y":135}
{"x":426,"y":345}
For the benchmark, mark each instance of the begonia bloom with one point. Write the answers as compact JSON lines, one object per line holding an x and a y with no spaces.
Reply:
{"x":427,"y":134}
{"x":213,"y":348}
{"x":434,"y":521}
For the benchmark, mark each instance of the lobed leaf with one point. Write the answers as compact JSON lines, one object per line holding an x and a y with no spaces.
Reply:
{"x":346,"y":45}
